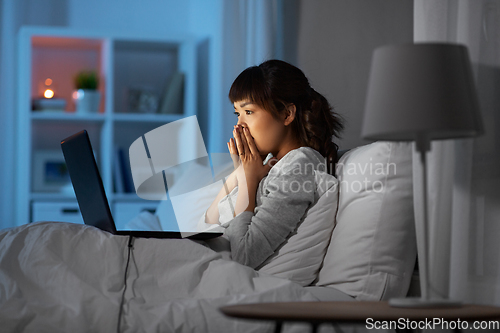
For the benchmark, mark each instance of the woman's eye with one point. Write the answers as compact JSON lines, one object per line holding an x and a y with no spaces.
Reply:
{"x":248,"y":112}
{"x":237,"y":114}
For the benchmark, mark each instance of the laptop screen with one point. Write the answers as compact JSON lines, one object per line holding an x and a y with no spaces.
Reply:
{"x":87,"y":181}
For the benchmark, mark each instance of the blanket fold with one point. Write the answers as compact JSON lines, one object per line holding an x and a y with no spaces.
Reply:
{"x":61,"y":277}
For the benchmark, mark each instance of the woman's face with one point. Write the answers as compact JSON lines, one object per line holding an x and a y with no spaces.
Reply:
{"x":267,"y":132}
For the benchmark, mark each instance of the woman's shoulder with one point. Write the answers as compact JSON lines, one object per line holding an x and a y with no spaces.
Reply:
{"x":305,"y":159}
{"x":302,"y":167}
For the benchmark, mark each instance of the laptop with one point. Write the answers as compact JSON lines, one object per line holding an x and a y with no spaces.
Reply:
{"x":91,"y":196}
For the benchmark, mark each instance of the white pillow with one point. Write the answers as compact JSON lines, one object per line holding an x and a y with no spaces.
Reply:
{"x":299,"y":258}
{"x":372,"y":252}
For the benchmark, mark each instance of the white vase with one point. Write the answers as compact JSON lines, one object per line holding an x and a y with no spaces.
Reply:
{"x":87,"y":100}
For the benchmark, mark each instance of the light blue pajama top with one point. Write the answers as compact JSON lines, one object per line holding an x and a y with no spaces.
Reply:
{"x":282,"y":200}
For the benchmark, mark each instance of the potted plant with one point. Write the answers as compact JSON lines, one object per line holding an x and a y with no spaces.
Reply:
{"x":87,"y":97}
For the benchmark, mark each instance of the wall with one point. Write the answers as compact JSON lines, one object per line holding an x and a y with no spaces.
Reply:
{"x":142,"y":17}
{"x":6,"y":118}
{"x":335,"y":43}
{"x":206,"y":20}
{"x":14,"y":14}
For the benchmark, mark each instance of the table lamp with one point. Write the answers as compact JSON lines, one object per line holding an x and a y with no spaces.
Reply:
{"x":421,"y":92}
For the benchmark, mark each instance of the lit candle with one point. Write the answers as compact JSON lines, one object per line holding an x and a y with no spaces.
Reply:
{"x":48,"y":93}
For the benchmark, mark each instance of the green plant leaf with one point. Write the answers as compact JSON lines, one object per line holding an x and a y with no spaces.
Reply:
{"x":87,"y":80}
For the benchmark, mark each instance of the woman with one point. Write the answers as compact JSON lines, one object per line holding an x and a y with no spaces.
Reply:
{"x":279,"y":113}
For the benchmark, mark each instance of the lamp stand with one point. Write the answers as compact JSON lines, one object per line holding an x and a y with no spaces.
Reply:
{"x":423,"y":145}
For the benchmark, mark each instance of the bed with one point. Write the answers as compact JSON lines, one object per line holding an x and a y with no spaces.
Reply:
{"x":60,"y":277}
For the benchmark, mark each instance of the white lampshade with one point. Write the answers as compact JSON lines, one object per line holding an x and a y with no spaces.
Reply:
{"x":421,"y":89}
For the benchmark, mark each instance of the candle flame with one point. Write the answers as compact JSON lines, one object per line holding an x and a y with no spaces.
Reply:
{"x":48,"y":93}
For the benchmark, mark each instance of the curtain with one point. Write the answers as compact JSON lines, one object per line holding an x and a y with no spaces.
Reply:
{"x":250,"y":36}
{"x":464,"y":175}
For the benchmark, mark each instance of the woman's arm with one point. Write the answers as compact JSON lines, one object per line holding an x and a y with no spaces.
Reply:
{"x":212,"y":216}
{"x":245,"y":201}
{"x":212,"y":213}
{"x":256,"y":236}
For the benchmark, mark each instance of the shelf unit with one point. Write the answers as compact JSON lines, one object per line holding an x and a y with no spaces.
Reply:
{"x":123,"y":62}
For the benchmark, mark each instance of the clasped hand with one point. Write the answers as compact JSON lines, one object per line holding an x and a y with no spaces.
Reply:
{"x":246,"y":157}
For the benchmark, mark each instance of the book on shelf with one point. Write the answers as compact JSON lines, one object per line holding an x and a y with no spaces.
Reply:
{"x":117,"y":172}
{"x":122,"y":173}
{"x":172,"y":100}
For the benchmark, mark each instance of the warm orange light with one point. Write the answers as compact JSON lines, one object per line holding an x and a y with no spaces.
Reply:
{"x":48,"y":93}
{"x":48,"y":82}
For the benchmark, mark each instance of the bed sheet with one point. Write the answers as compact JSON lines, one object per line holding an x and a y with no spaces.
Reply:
{"x":63,"y":277}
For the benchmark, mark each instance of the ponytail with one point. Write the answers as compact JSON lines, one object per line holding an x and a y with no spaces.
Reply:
{"x":317,"y":126}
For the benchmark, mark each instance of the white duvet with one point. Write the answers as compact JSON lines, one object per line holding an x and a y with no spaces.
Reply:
{"x":62,"y":277}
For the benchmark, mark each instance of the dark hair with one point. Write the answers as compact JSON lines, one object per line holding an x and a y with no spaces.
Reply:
{"x":274,"y":85}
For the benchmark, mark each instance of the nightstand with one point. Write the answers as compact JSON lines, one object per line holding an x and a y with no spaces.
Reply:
{"x":371,"y":314}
